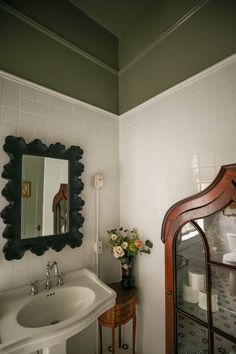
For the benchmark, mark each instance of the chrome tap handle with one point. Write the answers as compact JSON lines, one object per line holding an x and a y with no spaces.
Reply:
{"x":48,"y":284}
{"x":56,"y":270}
{"x":34,"y":288}
{"x":48,"y":266}
{"x":60,"y":280}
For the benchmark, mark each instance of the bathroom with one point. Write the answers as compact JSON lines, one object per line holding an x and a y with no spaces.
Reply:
{"x":157,"y":125}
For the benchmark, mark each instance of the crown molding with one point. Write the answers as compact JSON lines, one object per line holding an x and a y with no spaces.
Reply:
{"x":19,"y":15}
{"x":92,"y":58}
{"x":21,"y":81}
{"x":202,"y":74}
{"x":229,"y":60}
{"x":163,"y":36}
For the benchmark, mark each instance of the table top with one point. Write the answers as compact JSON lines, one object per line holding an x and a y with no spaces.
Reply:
{"x":123,"y":295}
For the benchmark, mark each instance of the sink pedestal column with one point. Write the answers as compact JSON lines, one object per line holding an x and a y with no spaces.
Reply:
{"x":59,"y":348}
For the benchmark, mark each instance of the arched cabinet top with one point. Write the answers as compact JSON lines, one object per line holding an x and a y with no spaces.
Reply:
{"x":220,"y":193}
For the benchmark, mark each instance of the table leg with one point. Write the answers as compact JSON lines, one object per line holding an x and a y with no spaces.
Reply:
{"x":100,"y":337}
{"x":119,"y":336}
{"x":134,"y":332}
{"x":113,"y":340}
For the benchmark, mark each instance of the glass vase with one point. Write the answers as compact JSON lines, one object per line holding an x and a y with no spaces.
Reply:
{"x":127,"y":279}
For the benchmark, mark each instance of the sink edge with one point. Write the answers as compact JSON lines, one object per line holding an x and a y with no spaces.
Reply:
{"x":47,"y":339}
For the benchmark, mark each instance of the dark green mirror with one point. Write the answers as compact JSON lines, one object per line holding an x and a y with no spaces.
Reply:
{"x":43,"y":193}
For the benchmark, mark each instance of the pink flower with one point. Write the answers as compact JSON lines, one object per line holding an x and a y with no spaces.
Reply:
{"x":138,"y":244}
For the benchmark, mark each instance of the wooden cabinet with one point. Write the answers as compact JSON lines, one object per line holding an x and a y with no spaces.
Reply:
{"x":123,"y":311}
{"x":199,"y":233}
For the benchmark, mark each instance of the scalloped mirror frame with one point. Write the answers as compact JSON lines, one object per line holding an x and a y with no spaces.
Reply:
{"x":15,"y":247}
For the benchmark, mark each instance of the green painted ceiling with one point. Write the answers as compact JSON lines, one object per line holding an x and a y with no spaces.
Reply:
{"x":116,"y":16}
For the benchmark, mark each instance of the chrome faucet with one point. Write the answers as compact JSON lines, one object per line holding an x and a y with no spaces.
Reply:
{"x":49,"y":268}
{"x":48,"y":284}
{"x":34,"y":288}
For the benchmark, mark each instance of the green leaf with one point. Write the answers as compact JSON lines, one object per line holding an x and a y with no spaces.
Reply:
{"x":148,"y":243}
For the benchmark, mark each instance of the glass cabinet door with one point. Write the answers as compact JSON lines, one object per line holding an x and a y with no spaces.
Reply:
{"x":220,"y":230}
{"x":225,"y":318}
{"x":223,"y":345}
{"x":206,"y":264}
{"x":191,"y":336}
{"x":191,"y":272}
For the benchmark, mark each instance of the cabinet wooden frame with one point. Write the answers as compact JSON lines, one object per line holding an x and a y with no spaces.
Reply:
{"x":218,"y":195}
{"x":16,"y":147}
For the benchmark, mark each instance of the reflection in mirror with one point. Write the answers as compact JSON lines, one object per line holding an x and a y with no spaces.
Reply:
{"x":44,"y":211}
{"x":191,"y":278}
{"x":220,"y":232}
{"x":60,"y":210}
{"x":224,"y":281}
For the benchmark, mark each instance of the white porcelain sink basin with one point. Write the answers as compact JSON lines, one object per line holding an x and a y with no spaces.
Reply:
{"x":31,"y":323}
{"x":51,"y":308}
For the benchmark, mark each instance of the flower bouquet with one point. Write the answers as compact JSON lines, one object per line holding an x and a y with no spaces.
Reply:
{"x":125,"y":245}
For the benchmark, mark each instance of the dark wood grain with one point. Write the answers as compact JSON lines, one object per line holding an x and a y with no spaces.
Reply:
{"x":123,"y":311}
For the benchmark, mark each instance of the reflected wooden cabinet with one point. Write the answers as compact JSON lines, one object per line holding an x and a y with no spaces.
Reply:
{"x":199,"y":233}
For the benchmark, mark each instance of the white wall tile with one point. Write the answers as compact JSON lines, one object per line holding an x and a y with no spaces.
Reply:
{"x":41,"y":109}
{"x":41,"y":97}
{"x":10,"y":87}
{"x":10,"y":100}
{"x":8,"y":128}
{"x":9,"y":115}
{"x":1,"y":85}
{"x":27,"y":93}
{"x":26,"y":105}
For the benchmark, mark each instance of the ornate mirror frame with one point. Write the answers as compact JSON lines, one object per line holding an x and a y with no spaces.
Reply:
{"x":15,"y":247}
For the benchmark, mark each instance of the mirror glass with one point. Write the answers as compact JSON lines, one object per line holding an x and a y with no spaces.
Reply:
{"x":44,"y":196}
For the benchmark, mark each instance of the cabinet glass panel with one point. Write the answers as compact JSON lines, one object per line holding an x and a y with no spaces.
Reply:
{"x":191,"y":337}
{"x":190,"y":277}
{"x":223,"y":345}
{"x":220,"y":229}
{"x":224,"y":300}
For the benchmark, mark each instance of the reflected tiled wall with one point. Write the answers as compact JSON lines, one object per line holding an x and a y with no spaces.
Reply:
{"x":170,"y":148}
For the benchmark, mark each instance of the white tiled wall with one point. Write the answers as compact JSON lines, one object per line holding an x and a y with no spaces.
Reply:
{"x":32,"y":112}
{"x":170,"y":148}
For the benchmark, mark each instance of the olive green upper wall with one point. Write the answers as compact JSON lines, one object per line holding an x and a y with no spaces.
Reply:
{"x":64,"y":50}
{"x":61,"y":17}
{"x":34,"y":55}
{"x":205,"y":38}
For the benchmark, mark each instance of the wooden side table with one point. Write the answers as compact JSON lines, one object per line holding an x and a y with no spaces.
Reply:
{"x":123,"y":311}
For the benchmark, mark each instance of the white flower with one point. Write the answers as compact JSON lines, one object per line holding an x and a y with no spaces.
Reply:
{"x":125,"y":266}
{"x":124,"y":245}
{"x":113,"y":237}
{"x":118,"y":252}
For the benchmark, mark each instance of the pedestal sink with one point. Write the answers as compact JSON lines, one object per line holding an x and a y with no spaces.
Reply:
{"x":51,"y":308}
{"x":31,"y":323}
